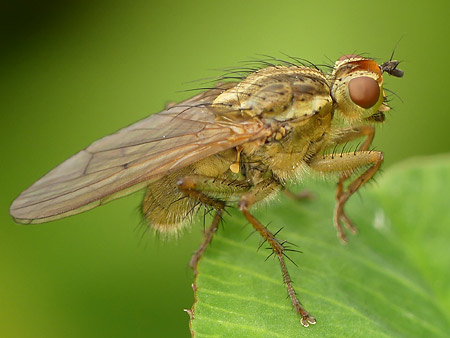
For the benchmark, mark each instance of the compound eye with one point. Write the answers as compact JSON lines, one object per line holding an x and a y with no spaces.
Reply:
{"x":364,"y":91}
{"x":348,"y":56}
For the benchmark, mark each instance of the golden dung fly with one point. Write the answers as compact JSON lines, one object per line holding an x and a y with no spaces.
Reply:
{"x":237,"y":143}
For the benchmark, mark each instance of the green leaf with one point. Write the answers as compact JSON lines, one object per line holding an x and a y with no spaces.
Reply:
{"x":391,"y":280}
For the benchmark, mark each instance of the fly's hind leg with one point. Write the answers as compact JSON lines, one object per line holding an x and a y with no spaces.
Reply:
{"x":208,"y":236}
{"x":245,"y":202}
{"x":200,"y":188}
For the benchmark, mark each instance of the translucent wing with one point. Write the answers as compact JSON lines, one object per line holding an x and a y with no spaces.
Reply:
{"x":128,"y":160}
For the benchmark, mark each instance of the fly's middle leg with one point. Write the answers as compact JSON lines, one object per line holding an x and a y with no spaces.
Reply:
{"x":278,"y":249}
{"x":299,"y":196}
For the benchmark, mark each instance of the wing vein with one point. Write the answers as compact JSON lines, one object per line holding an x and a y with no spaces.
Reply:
{"x":119,"y":164}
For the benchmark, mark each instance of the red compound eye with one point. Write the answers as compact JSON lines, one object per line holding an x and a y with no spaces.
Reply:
{"x":364,"y":91}
{"x":348,"y":56}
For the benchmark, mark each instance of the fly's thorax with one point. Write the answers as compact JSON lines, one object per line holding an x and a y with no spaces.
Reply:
{"x":357,"y":89}
{"x":280,"y":93}
{"x":286,"y":152}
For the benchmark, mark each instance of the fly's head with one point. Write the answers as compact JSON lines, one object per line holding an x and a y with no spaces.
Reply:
{"x":357,"y":88}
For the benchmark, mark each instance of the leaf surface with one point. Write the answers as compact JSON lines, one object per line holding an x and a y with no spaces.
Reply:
{"x":390,"y":280}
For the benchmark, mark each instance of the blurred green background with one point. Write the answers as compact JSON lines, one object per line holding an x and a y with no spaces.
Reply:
{"x":72,"y":72}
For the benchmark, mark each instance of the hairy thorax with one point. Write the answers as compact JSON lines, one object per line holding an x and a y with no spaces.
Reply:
{"x":294,"y":102}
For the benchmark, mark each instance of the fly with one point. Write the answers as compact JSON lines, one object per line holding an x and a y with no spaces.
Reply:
{"x":237,"y":143}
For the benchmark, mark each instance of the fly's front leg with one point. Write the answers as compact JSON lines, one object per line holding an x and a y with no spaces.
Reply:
{"x":347,"y":163}
{"x":349,"y":134}
{"x":277,"y":246}
{"x":346,"y":135}
{"x":200,"y":188}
